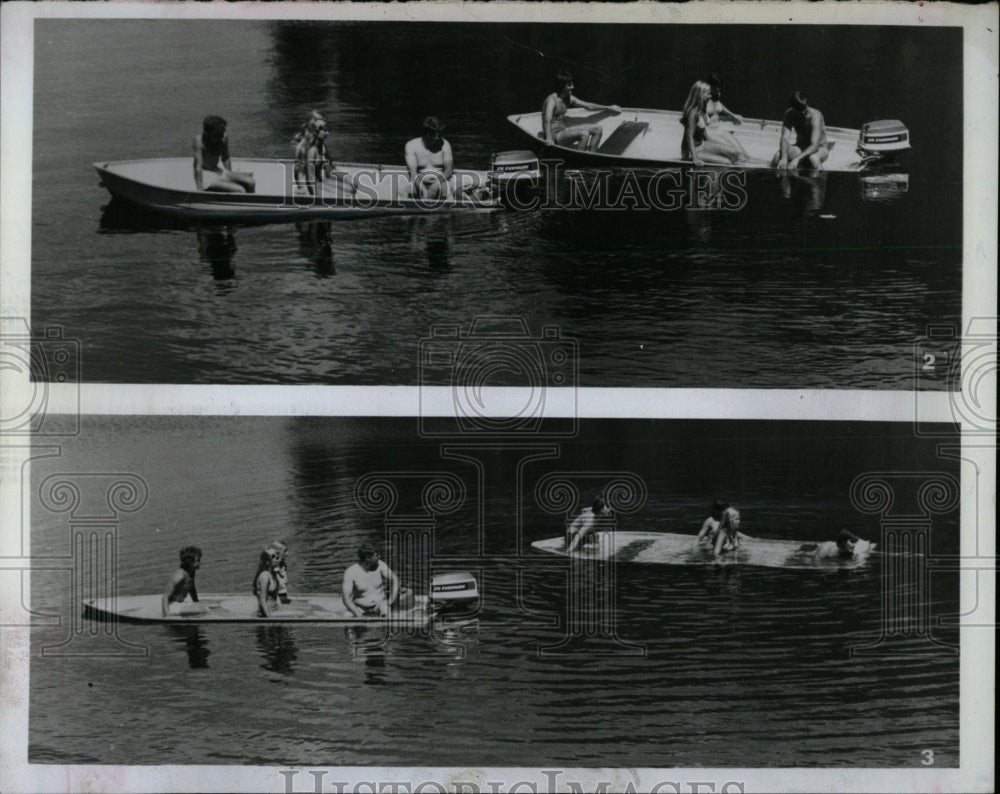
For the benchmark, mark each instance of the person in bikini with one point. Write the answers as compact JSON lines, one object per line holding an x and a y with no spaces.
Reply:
{"x":265,"y":582}
{"x":430,"y":163}
{"x":803,"y":137}
{"x":555,"y":128}
{"x":728,"y":535}
{"x":312,"y":159}
{"x":715,"y":113}
{"x":181,"y":584}
{"x":370,"y":587}
{"x":697,"y":145}
{"x":211,"y":153}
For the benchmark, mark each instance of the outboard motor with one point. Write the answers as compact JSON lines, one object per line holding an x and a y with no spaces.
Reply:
{"x":883,"y":141}
{"x":514,"y":175}
{"x":454,"y":589}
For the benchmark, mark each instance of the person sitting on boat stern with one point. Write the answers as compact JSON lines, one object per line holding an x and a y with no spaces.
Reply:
{"x":430,"y":163}
{"x":371,"y":587}
{"x":181,"y":584}
{"x":803,"y":137}
{"x":697,"y":145}
{"x":211,"y":153}
{"x":312,"y":160}
{"x":281,"y":570}
{"x":265,"y":583}
{"x":716,"y":112}
{"x":728,"y":534}
{"x":587,"y":523}
{"x":842,"y":547}
{"x":556,"y":130}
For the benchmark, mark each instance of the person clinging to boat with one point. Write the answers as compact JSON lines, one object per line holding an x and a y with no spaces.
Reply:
{"x":313,"y":167}
{"x":588,"y":522}
{"x":181,"y":585}
{"x":728,"y":535}
{"x":211,"y":153}
{"x":370,"y":586}
{"x":430,"y":163}
{"x":697,"y":144}
{"x":556,"y":129}
{"x":843,"y":547}
{"x":265,"y":582}
{"x":803,"y":141}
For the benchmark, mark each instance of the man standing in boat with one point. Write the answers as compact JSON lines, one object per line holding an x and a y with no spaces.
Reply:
{"x":430,"y":162}
{"x":587,"y":523}
{"x":366,"y":584}
{"x":555,"y":128}
{"x":803,"y":137}
{"x":182,"y":582}
{"x":211,"y":153}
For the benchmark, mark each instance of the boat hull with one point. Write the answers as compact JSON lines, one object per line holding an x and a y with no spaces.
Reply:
{"x":639,"y":137}
{"x":166,"y":185}
{"x":662,"y":548}
{"x":242,"y":608}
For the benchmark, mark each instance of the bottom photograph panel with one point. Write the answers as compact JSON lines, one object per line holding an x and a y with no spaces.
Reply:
{"x":343,"y":592}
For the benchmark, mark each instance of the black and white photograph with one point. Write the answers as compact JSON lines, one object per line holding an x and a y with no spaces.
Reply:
{"x":493,"y":397}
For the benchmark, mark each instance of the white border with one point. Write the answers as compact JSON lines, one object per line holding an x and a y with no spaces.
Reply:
{"x":979,"y":301}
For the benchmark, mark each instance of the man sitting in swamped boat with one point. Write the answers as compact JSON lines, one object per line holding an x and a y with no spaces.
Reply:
{"x":370,"y":586}
{"x":590,"y":520}
{"x":211,"y":153}
{"x":803,"y":137}
{"x":430,"y":163}
{"x":182,"y":585}
{"x":558,"y":129}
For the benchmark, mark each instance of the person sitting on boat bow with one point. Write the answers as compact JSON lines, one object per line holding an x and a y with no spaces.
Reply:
{"x":211,"y":153}
{"x":370,"y":586}
{"x":430,"y":163}
{"x":181,"y":584}
{"x":312,"y":159}
{"x":587,"y":523}
{"x":803,"y":137}
{"x":265,"y":583}
{"x":697,"y":145}
{"x":715,"y":113}
{"x":555,"y":127}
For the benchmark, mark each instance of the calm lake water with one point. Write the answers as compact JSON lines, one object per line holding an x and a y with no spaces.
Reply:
{"x":709,"y":666}
{"x":828,"y":286}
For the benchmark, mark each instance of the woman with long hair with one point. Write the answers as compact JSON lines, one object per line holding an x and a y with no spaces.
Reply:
{"x":265,"y":583}
{"x":696,"y":145}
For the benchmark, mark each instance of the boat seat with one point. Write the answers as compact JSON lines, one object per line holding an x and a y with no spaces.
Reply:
{"x":619,"y":140}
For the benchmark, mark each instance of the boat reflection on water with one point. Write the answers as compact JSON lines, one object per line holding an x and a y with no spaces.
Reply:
{"x":277,"y":647}
{"x":884,"y":188}
{"x":195,"y":644}
{"x":806,"y":188}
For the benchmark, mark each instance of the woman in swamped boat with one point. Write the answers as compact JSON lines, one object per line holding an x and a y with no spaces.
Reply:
{"x":698,"y":145}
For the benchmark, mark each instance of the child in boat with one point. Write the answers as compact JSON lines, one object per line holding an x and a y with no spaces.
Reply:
{"x":181,"y":584}
{"x":211,"y":153}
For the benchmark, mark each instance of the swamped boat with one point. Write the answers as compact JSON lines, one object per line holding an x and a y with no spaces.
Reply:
{"x":665,"y":548}
{"x":166,"y":185}
{"x":638,"y":137}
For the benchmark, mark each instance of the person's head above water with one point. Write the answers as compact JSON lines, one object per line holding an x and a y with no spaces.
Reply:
{"x":846,"y":541}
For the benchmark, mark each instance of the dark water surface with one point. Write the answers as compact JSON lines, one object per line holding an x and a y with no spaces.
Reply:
{"x":739,"y":666}
{"x":826,"y":287}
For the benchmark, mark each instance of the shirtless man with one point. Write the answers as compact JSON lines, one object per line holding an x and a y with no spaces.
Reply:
{"x":588,"y":522}
{"x":182,"y":582}
{"x":430,"y":154}
{"x":710,"y":526}
{"x":555,"y":130}
{"x":211,"y":153}
{"x":365,"y":583}
{"x":803,"y":137}
{"x":842,"y":547}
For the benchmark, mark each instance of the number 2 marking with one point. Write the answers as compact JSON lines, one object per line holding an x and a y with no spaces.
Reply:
{"x":928,"y":364}
{"x":928,"y":757}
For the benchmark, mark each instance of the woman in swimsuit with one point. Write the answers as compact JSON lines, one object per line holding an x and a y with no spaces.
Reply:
{"x":696,"y":145}
{"x":716,"y":112}
{"x":265,"y":583}
{"x":312,"y":161}
{"x":211,"y":153}
{"x":555,"y":129}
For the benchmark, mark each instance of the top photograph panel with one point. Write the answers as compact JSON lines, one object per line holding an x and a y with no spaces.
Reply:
{"x":622,"y":191}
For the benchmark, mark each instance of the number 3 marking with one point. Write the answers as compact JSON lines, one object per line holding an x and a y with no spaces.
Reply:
{"x":928,"y":364}
{"x":928,"y":757}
